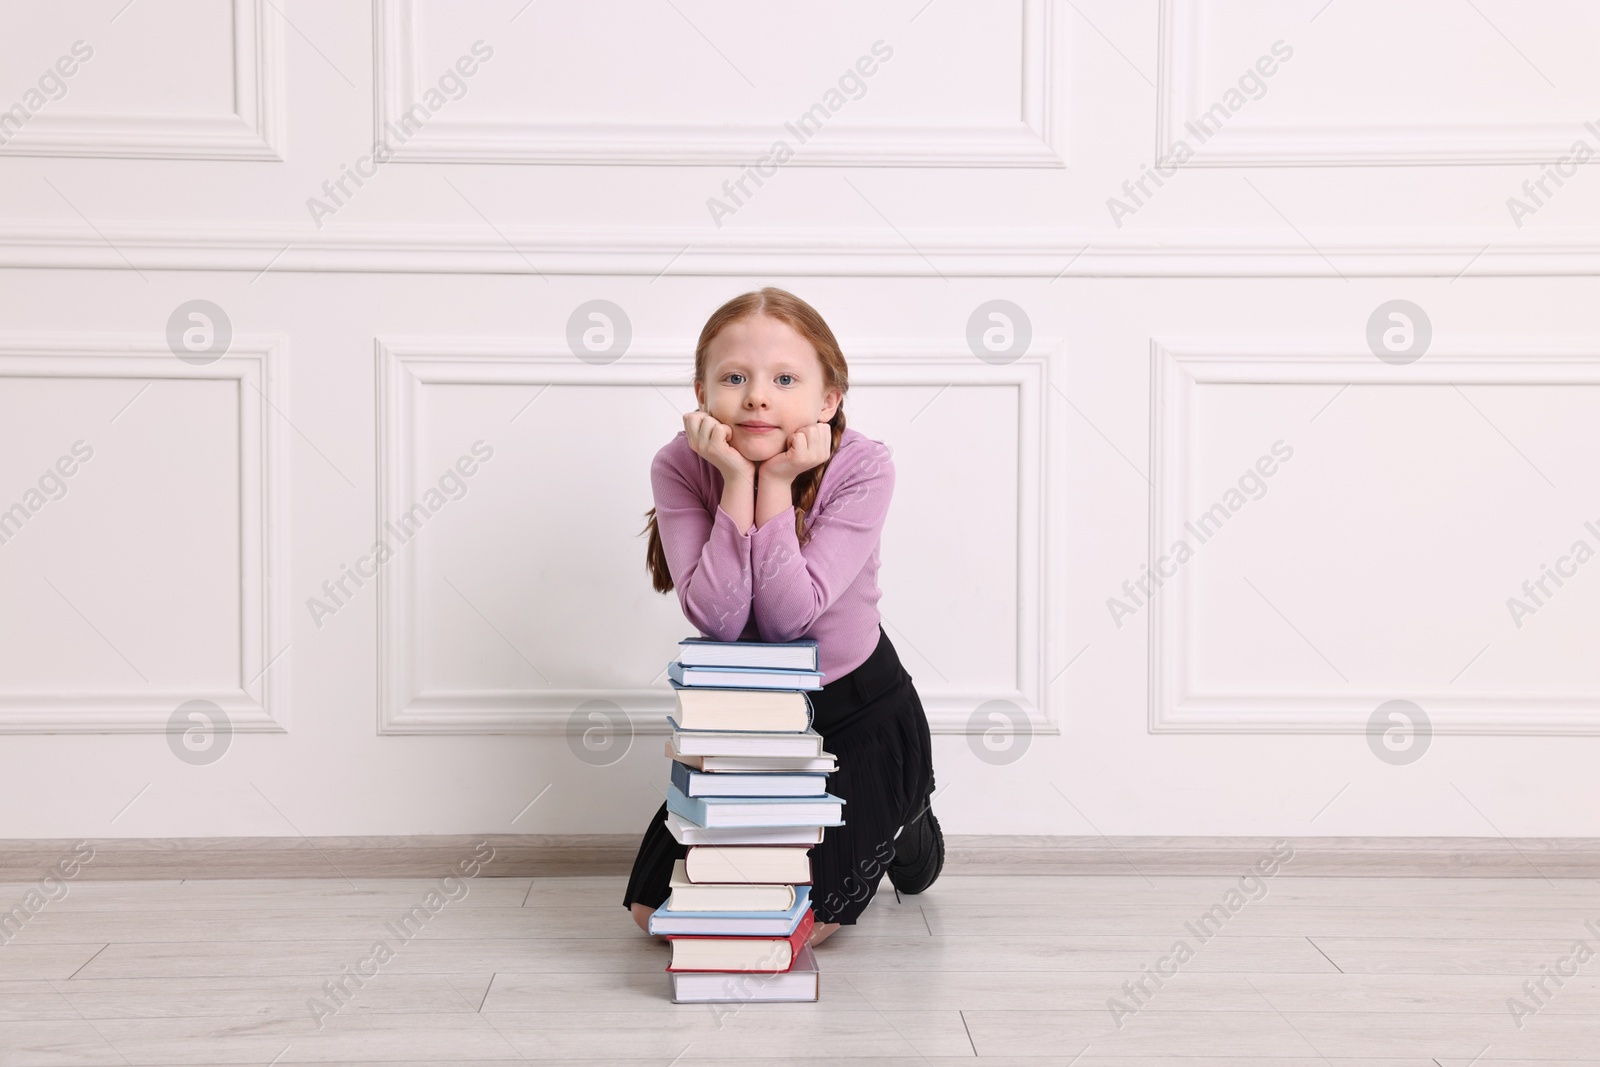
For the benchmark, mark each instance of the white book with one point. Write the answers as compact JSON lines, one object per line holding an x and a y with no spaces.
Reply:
{"x":790,"y":864}
{"x":801,"y":982}
{"x":725,"y":896}
{"x":687,"y":833}
{"x":826,"y":763}
{"x":784,"y":710}
{"x":804,"y":743}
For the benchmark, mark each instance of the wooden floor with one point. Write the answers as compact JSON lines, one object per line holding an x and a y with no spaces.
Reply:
{"x":1381,"y":972}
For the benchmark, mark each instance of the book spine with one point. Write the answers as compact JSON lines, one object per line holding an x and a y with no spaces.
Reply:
{"x":691,"y":808}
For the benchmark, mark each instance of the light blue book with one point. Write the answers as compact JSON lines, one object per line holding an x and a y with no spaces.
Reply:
{"x":756,"y":812}
{"x":728,"y":677}
{"x":776,"y":923}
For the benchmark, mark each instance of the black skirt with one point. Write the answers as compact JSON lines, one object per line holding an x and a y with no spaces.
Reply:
{"x":872,"y":720}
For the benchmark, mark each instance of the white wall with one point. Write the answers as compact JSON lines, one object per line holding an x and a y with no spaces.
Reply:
{"x":1175,"y":339}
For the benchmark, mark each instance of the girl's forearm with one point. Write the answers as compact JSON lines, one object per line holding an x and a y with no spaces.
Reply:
{"x":739,"y":500}
{"x":773,"y":497}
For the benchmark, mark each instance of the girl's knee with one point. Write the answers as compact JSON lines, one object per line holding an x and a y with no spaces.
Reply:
{"x":641,"y":915}
{"x":820,"y":932}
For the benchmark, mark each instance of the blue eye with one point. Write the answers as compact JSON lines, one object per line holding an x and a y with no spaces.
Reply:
{"x":735,"y":374}
{"x":786,"y":376}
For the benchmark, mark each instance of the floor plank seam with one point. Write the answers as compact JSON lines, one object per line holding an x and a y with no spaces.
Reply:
{"x":486,"y":989}
{"x":90,"y":960}
{"x":968,"y":1029}
{"x":1325,"y":956}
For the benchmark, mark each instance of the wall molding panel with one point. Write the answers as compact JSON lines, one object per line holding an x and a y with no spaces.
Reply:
{"x":1036,"y":139}
{"x":811,"y":252}
{"x":1178,"y":366}
{"x":1249,"y":142}
{"x":407,"y":364}
{"x":253,"y":130}
{"x":259,"y":704}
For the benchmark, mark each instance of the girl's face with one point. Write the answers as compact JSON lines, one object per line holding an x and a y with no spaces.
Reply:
{"x":765,"y":380}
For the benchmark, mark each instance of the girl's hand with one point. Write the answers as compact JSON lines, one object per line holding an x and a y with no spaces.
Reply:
{"x":712,"y":439}
{"x":808,"y":446}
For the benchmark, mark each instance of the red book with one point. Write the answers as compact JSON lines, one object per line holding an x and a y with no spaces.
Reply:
{"x":769,"y":955}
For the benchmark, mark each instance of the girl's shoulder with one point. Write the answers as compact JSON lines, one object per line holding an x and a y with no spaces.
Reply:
{"x":859,"y":444}
{"x":679,"y":454}
{"x":857,"y":460}
{"x":676,"y":463}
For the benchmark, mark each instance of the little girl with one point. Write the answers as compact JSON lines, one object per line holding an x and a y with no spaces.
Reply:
{"x":767,"y":519}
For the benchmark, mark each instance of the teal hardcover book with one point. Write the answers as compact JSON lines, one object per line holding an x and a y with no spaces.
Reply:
{"x":757,"y":812}
{"x":727,"y":677}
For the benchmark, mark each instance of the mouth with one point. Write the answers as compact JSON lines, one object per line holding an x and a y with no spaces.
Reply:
{"x":756,"y":427}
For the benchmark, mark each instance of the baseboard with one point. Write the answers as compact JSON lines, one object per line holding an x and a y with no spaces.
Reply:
{"x":1415,"y":857}
{"x":525,"y":855}
{"x":414,"y":856}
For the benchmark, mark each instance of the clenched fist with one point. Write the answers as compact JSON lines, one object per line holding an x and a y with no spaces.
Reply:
{"x":713,"y":440}
{"x":807,"y":447}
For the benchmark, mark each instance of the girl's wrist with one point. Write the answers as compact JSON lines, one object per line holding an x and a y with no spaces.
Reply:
{"x":737,"y":473}
{"x":774,"y":496}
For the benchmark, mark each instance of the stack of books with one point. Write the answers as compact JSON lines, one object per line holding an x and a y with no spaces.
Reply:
{"x":748,"y":800}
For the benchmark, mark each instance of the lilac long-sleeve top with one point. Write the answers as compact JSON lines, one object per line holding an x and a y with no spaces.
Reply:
{"x":760,"y":584}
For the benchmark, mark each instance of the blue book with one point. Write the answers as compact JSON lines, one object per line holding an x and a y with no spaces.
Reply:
{"x":742,"y":677}
{"x":692,"y":783}
{"x":756,"y":812}
{"x":777,"y":923}
{"x":800,"y":655}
